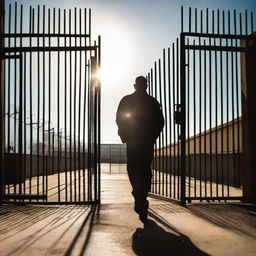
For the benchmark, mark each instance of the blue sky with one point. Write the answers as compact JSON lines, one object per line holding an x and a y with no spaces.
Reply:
{"x":134,"y":32}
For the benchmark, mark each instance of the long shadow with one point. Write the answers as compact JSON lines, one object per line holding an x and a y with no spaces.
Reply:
{"x":239,"y":218}
{"x":87,"y":223}
{"x":153,"y":240}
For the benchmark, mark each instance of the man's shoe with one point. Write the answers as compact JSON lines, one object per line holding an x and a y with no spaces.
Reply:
{"x":143,"y":217}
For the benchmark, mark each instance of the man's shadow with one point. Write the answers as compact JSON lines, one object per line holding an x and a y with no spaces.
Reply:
{"x":154,"y":240}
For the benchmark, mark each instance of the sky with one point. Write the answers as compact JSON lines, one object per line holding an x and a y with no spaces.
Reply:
{"x":133,"y":32}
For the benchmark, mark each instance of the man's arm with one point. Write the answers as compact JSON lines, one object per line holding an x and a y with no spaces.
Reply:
{"x":159,"y":120}
{"x":121,"y":120}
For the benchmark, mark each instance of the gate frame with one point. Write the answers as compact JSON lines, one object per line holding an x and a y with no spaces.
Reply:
{"x":17,"y":52}
{"x":183,"y":48}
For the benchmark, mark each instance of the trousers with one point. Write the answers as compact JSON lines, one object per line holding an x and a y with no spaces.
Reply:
{"x":139,"y":158}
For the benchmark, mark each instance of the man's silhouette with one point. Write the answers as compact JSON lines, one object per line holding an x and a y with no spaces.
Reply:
{"x":140,"y":121}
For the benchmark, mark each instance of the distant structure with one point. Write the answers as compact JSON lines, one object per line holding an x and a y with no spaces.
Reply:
{"x":113,"y":153}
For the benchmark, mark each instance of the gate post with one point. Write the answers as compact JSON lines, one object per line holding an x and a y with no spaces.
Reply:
{"x":2,"y":125}
{"x":248,"y":76}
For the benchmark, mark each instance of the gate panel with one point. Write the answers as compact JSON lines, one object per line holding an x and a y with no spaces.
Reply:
{"x":52,"y":115}
{"x":164,"y":85}
{"x":198,"y":155}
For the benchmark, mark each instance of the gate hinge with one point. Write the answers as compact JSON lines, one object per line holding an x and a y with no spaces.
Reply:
{"x":177,"y":114}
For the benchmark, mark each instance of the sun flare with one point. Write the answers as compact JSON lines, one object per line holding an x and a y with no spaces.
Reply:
{"x":116,"y":54}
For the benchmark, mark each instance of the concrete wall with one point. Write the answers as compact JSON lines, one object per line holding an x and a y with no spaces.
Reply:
{"x":231,"y":133}
{"x":33,"y":167}
{"x":229,"y":163}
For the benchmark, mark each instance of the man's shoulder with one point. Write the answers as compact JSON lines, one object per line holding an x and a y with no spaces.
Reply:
{"x":153,"y":100}
{"x":127,"y":97}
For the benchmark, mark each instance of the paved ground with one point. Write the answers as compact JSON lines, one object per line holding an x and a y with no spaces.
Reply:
{"x":114,"y":229}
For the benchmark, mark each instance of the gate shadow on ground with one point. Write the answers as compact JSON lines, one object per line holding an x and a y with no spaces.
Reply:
{"x":154,"y":240}
{"x":25,"y":228}
{"x":239,"y":218}
{"x":87,"y":224}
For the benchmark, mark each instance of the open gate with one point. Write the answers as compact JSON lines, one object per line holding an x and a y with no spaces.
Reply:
{"x":51,"y":107}
{"x":199,"y":83}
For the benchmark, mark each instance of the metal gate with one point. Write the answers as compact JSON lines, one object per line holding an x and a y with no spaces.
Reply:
{"x":198,"y":82}
{"x":51,"y":107}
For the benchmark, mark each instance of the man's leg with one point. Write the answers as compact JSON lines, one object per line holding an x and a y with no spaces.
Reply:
{"x":133,"y":172}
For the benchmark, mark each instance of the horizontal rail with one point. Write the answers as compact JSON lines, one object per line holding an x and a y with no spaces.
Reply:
{"x":216,"y":48}
{"x":224,"y":198}
{"x":15,"y":56}
{"x":24,"y":197}
{"x":95,"y":202}
{"x":211,"y":35}
{"x":24,"y":35}
{"x":49,"y":49}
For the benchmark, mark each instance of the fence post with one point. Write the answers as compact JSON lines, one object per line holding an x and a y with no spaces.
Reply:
{"x":248,"y":76}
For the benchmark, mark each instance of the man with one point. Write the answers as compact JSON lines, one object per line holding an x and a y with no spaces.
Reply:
{"x":140,"y":121}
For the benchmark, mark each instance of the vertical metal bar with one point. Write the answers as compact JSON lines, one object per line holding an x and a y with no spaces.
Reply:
{"x":166,"y":123}
{"x":211,"y":135}
{"x":43,"y":124}
{"x":38,"y":100}
{"x":194,"y":121}
{"x":154,"y":160}
{"x":89,"y":119}
{"x":222,"y":110}
{"x":189,"y":20}
{"x":252,"y":23}
{"x":246,"y":22}
{"x":179,"y":135}
{"x":205,"y":132}
{"x":9,"y":96}
{"x":188,"y":121}
{"x":174,"y":126}
{"x":170,"y":120}
{"x":194,"y":86}
{"x":216,"y":108}
{"x":65,"y":108}
{"x":89,"y":136}
{"x":31,"y":30}
{"x":53,"y":131}
{"x":210,"y":117}
{"x":15,"y":92}
{"x":227,"y":109}
{"x":157,"y":143}
{"x":20,"y":126}
{"x":79,"y":108}
{"x":183,"y":115}
{"x":237,"y":104}
{"x":200,"y":107}
{"x":95,"y":123}
{"x":161,"y":138}
{"x":70,"y":109}
{"x":58,"y":105}
{"x":99,"y":123}
{"x":233,"y":112}
{"x":182,"y":19}
{"x":49,"y":105}
{"x":24,"y":135}
{"x":84,"y":109}
{"x":75,"y":96}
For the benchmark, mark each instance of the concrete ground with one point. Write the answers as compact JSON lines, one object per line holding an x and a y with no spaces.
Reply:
{"x":114,"y":229}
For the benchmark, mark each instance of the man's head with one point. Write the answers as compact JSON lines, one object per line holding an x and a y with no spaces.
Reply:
{"x":140,"y":83}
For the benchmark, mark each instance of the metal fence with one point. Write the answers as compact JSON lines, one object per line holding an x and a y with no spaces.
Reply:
{"x":198,"y":82}
{"x":51,"y":106}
